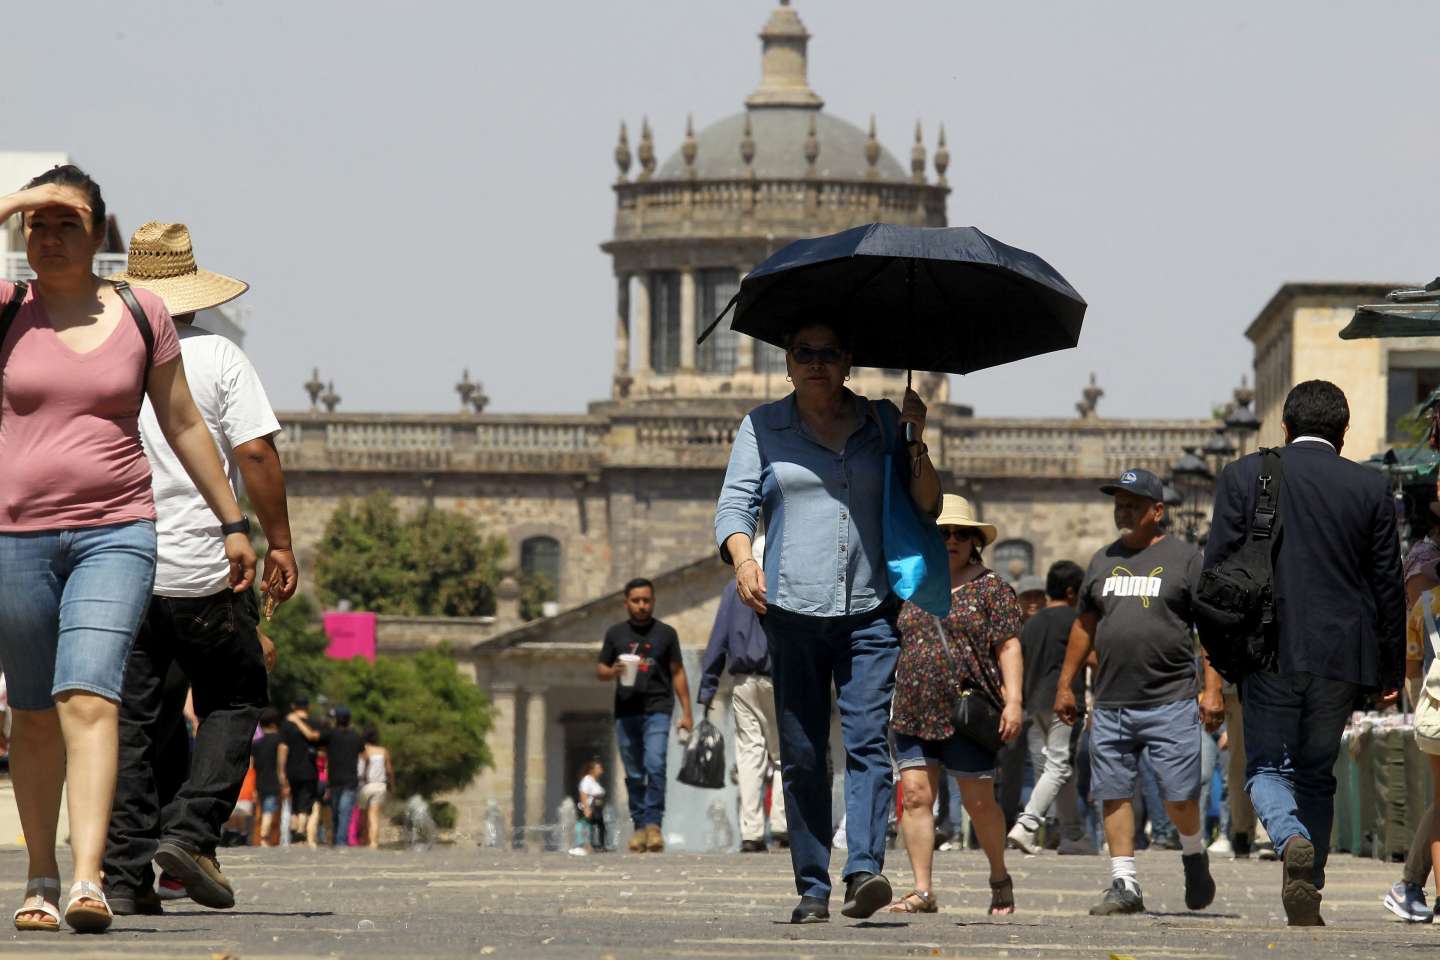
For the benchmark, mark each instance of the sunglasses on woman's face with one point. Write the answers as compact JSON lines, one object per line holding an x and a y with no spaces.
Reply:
{"x":808,"y":355}
{"x":954,"y":533}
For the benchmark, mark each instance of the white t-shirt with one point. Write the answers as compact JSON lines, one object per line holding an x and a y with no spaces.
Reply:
{"x":590,"y":787}
{"x":232,"y":402}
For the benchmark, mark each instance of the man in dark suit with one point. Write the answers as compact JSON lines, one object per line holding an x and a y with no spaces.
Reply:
{"x":1340,"y":627}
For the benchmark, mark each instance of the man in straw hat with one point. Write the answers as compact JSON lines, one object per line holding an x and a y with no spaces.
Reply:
{"x":195,"y":621}
{"x":1135,"y":610}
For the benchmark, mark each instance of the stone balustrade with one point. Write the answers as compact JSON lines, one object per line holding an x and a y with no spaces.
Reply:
{"x":649,"y":436}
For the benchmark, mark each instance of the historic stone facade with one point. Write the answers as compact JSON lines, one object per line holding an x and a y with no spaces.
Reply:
{"x":628,"y":487}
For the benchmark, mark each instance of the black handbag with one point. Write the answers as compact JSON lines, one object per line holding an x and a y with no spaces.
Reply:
{"x":976,"y":718}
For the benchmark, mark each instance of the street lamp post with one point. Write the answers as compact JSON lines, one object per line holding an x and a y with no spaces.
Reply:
{"x":1192,"y":480}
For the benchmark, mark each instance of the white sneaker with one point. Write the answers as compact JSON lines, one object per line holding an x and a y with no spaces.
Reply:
{"x":1024,"y":838}
{"x":1221,"y":847}
{"x":1076,"y":848}
{"x":579,"y":852}
{"x":838,"y":841}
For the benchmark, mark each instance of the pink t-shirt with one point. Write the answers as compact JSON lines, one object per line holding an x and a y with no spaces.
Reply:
{"x":70,"y":453}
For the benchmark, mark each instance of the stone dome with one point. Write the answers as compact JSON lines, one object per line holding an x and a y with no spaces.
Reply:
{"x":779,"y":134}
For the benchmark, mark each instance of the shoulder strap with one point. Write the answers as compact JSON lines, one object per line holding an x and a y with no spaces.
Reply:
{"x":7,"y":318}
{"x":142,"y":322}
{"x":1265,"y":525}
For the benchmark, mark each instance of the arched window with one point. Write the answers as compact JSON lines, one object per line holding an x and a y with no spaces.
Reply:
{"x":1013,"y":559}
{"x":539,"y":575}
{"x":714,"y":288}
{"x":665,"y":321}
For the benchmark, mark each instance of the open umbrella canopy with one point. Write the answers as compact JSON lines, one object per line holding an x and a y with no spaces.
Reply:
{"x":948,"y":299}
{"x":1412,"y":312}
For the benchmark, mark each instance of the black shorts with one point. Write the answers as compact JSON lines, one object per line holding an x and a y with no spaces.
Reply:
{"x":303,"y":794}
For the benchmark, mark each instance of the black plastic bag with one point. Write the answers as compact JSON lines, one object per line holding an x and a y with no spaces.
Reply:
{"x":704,"y":763}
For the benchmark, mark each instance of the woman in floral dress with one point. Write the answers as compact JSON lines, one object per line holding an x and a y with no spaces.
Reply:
{"x":979,"y":650}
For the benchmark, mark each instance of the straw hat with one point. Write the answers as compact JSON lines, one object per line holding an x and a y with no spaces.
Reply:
{"x":162,"y":261}
{"x":955,"y":511}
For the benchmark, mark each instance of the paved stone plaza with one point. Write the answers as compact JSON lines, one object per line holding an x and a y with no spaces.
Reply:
{"x":466,"y":902}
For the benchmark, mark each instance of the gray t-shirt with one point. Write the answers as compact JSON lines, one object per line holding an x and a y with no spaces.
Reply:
{"x":1144,"y":641}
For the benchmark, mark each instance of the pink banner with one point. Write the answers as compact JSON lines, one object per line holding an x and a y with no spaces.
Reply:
{"x":351,"y":635}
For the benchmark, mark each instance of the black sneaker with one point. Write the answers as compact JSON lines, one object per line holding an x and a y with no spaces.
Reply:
{"x":752,"y":846}
{"x":1120,"y":898}
{"x":1298,"y":892}
{"x":865,"y":893}
{"x":811,"y":910}
{"x":781,"y":840}
{"x":1199,"y":885}
{"x":200,"y":873}
{"x":129,"y":903}
{"x":1240,"y":846}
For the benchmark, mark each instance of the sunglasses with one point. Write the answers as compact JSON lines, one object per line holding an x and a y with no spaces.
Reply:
{"x":954,"y":533}
{"x":808,"y":355}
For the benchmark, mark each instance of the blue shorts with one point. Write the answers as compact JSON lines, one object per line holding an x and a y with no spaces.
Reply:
{"x":1170,"y":736}
{"x":961,"y":757}
{"x":270,"y":803}
{"x":70,"y":603}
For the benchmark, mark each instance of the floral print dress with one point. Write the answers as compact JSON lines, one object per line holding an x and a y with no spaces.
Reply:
{"x":984,"y":613}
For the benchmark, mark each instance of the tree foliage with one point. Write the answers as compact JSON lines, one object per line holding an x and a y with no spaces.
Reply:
{"x":432,"y":564}
{"x":432,"y":718}
{"x":301,"y":667}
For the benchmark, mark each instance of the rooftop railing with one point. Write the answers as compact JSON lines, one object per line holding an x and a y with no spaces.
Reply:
{"x":17,"y":267}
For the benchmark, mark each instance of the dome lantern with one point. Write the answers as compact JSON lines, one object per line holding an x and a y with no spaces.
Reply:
{"x":783,"y":63}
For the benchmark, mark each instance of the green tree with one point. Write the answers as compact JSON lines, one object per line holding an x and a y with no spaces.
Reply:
{"x":432,"y":718}
{"x":432,"y":564}
{"x":301,"y":667}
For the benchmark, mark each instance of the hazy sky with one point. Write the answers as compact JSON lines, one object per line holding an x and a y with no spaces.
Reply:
{"x":415,"y":188}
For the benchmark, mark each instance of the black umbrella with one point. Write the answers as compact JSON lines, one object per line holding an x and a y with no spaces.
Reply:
{"x":947,"y":299}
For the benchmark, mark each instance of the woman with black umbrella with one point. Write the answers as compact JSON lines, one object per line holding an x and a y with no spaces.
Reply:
{"x":813,"y":463}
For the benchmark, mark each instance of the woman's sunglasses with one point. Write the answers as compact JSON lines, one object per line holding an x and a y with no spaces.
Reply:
{"x":954,"y":533}
{"x":807,"y":355}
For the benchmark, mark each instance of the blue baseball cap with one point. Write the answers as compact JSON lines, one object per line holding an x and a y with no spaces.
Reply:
{"x":1142,"y":483}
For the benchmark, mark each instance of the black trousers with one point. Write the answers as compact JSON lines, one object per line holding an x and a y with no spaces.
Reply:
{"x":214,"y":642}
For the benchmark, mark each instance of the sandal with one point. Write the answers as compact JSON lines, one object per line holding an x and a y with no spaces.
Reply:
{"x":907,"y":904}
{"x":1002,"y":897}
{"x":88,"y":911}
{"x":45,"y":890}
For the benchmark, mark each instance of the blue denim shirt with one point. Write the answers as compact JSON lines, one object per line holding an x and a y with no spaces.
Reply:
{"x":824,"y":553}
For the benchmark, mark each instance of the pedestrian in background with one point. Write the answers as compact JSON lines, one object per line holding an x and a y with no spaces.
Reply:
{"x":264,"y":754}
{"x":644,"y":707}
{"x":378,"y":773}
{"x":739,"y":641}
{"x":1011,"y":763}
{"x":1053,"y":744}
{"x":1339,"y":627}
{"x":300,"y":741}
{"x":1136,"y":612}
{"x":1406,"y":898}
{"x":975,"y":648}
{"x":591,"y":804}
{"x":79,"y":355}
{"x":814,"y":463}
{"x":342,"y":753}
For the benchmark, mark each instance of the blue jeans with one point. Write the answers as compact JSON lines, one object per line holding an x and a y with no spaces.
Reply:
{"x":70,"y":603}
{"x":855,"y":656}
{"x":644,"y":739}
{"x":342,"y":807}
{"x":1293,"y":724}
{"x":1210,"y":760}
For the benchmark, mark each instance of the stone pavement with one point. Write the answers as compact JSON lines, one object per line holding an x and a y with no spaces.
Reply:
{"x":468,"y":902}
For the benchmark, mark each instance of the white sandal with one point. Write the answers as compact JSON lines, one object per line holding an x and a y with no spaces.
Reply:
{"x":88,"y":919}
{"x":47,"y":891}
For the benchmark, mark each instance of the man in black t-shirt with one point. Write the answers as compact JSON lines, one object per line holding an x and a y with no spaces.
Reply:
{"x":299,"y":776}
{"x":642,"y":710}
{"x":1052,"y":743}
{"x":265,"y":754}
{"x":342,"y":753}
{"x":1136,"y":613}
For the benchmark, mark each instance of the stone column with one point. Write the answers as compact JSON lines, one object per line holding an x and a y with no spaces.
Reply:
{"x":622,"y":325}
{"x":687,"y":320}
{"x":499,"y":782}
{"x":535,"y":756}
{"x":641,"y":305}
{"x":744,"y":346}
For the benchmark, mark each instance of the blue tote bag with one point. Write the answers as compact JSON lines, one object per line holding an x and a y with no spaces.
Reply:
{"x":915,"y":558}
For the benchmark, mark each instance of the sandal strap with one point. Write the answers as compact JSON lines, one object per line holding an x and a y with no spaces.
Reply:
{"x":47,"y":891}
{"x":87,"y":890}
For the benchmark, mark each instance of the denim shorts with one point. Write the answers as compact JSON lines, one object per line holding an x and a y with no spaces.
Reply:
{"x":962,"y":757}
{"x":70,"y":603}
{"x":270,"y":803}
{"x":1170,"y":736}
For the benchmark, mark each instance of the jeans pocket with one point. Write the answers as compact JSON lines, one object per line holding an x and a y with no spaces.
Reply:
{"x":205,"y":620}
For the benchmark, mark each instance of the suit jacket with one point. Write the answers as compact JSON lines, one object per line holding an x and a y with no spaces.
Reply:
{"x":1339,"y":597}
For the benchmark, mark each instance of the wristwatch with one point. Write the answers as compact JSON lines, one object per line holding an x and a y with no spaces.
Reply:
{"x":239,"y":526}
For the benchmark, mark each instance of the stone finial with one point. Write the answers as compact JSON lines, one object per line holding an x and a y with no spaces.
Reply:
{"x":812,"y":148}
{"x":646,"y":153}
{"x":690,"y":146}
{"x":872,"y":151}
{"x":1244,"y":396}
{"x":747,"y":145}
{"x":315,"y":386}
{"x":331,"y":399}
{"x":479,"y":399}
{"x":622,"y":152}
{"x":917,"y":156}
{"x":1091,"y":399}
{"x":466,"y":389}
{"x":783,"y":64}
{"x":942,"y":158}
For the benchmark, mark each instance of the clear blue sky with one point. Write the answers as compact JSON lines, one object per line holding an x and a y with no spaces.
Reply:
{"x":416,"y":188}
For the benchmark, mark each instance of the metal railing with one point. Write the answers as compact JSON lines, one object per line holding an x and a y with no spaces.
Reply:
{"x":17,"y":267}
